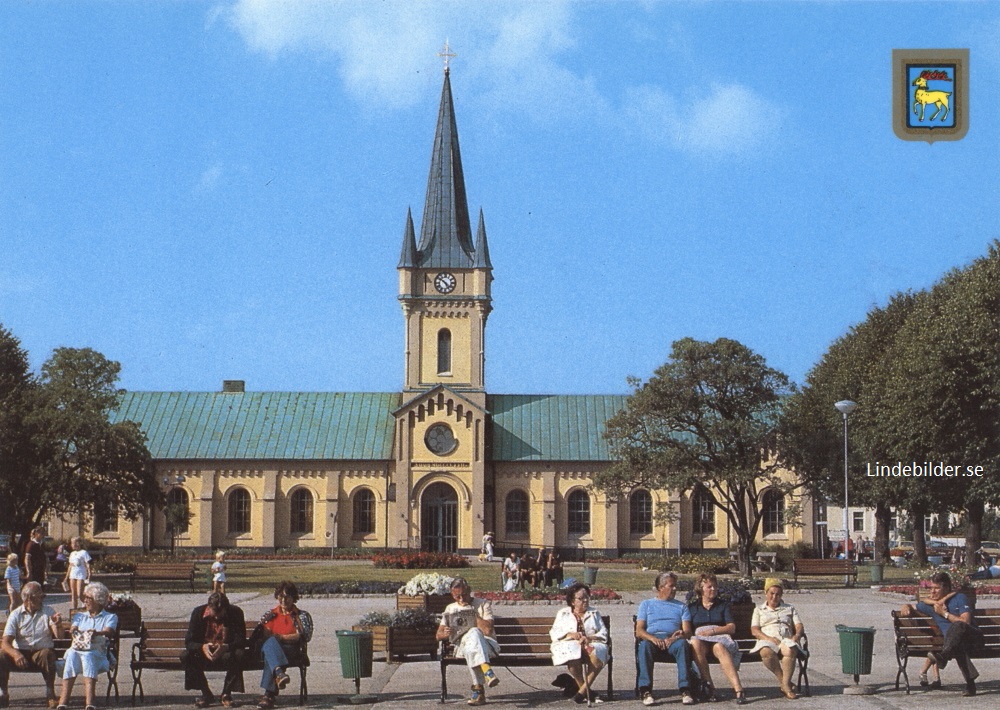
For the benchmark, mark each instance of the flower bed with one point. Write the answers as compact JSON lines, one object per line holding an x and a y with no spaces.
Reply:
{"x":369,"y":587}
{"x":418,"y":560}
{"x":597,"y":594}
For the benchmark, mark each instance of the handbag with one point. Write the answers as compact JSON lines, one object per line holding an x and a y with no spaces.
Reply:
{"x":82,"y":640}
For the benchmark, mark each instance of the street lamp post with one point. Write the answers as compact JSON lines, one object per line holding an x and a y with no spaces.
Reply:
{"x":845,"y":407}
{"x":170,"y":484}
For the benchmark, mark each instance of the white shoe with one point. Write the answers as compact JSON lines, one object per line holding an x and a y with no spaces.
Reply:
{"x":648,"y":699}
{"x":688,"y":699}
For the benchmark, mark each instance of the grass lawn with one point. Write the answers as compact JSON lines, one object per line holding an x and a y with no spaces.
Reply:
{"x":263,"y":575}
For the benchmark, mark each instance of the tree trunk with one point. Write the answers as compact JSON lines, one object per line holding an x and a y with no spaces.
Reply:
{"x":974,"y":511}
{"x":743,"y":549}
{"x":919,"y":541}
{"x":883,"y":515}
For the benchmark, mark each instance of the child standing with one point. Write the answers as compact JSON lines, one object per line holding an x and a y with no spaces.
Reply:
{"x":219,"y":572}
{"x":12,"y":575}
{"x":77,"y":572}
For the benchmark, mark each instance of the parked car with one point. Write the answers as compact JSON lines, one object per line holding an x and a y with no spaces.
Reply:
{"x":991,"y":548}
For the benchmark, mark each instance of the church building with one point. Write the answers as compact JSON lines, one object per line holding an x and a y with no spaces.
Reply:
{"x":433,"y":466}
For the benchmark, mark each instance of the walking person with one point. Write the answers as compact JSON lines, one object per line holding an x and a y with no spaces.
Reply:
{"x":12,"y":578}
{"x":35,"y":562}
{"x":77,"y":571}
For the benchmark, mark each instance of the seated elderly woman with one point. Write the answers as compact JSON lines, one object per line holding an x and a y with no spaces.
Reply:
{"x":280,"y":636}
{"x":88,"y":656}
{"x":713,"y":629}
{"x":580,"y":638}
{"x":779,"y":632}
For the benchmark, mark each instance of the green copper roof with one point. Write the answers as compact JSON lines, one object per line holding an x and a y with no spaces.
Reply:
{"x":264,"y":425}
{"x":551,"y":427}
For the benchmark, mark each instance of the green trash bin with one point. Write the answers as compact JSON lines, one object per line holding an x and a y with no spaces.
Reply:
{"x":355,"y":654}
{"x":590,"y":576}
{"x":857,"y":646}
{"x":876,"y":570}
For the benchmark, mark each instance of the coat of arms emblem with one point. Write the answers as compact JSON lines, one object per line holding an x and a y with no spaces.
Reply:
{"x":930,"y":94}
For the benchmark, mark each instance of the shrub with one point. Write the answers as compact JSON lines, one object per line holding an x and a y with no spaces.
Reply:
{"x":693,"y":564}
{"x":400,"y":619}
{"x":418,"y":560}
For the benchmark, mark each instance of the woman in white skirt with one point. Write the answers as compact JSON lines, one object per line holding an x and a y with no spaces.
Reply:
{"x":580,"y":637}
{"x":88,"y":656}
{"x":77,"y":571}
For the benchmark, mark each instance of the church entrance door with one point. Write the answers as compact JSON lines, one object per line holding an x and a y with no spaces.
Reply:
{"x":439,"y":519}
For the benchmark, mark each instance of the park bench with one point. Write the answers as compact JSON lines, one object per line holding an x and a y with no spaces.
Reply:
{"x":160,"y":646}
{"x":742,"y":617}
{"x":524,"y":641}
{"x":63,"y":644}
{"x":824,"y":568}
{"x":164,"y":572}
{"x":916,"y":635}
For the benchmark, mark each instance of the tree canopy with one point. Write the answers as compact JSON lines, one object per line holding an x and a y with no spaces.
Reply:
{"x":60,"y":453}
{"x":925,"y":371}
{"x":706,"y":417}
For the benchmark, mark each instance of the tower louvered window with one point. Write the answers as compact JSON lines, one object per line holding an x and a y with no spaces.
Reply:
{"x":444,"y":351}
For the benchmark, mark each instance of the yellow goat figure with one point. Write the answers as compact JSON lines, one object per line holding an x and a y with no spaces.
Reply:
{"x":923,"y":97}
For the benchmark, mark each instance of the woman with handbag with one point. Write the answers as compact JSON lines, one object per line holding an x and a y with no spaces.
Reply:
{"x":280,"y":638}
{"x":88,"y":656}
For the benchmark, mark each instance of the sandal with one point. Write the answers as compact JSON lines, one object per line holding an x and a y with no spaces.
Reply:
{"x":741,"y":697}
{"x":265,"y":703}
{"x":203,"y":701}
{"x":227,"y":701}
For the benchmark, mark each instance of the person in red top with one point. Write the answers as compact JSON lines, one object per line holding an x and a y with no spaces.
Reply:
{"x":281,"y":636}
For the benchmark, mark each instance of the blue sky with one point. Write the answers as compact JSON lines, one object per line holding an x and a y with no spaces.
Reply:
{"x":217,"y":190}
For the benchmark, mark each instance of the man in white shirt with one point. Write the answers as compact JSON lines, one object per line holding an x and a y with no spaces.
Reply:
{"x":28,"y":642}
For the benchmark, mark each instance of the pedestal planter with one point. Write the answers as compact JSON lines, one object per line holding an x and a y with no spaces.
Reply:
{"x":432,"y":603}
{"x":399,"y":644}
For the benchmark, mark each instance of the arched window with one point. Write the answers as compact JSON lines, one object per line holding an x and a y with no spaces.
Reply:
{"x":702,"y":511}
{"x":178,"y":511}
{"x":578,"y":512}
{"x":640,"y":513}
{"x":105,"y":518}
{"x":444,"y":351}
{"x":364,"y":512}
{"x":516,"y":512}
{"x":239,"y":511}
{"x":773,"y":512}
{"x":301,"y":513}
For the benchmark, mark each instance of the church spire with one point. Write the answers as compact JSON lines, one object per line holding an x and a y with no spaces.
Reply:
{"x":408,"y":257}
{"x":482,"y":248}
{"x":445,"y":233}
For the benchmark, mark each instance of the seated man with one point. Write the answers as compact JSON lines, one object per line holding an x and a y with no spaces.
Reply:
{"x":662,"y":626}
{"x":28,"y":642}
{"x":510,"y":572}
{"x":216,"y":640}
{"x":529,"y":571}
{"x":467,"y":623}
{"x":553,"y":573}
{"x":952,"y":613}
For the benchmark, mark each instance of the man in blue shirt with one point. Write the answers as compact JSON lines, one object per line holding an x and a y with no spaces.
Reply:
{"x":953,"y":615}
{"x":662,"y":626}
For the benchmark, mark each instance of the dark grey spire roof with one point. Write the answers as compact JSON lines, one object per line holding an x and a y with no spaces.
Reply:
{"x":408,"y":256}
{"x":482,"y":248}
{"x":445,"y":234}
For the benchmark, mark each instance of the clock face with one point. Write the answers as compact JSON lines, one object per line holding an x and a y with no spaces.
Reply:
{"x":440,"y":440}
{"x":444,"y":282}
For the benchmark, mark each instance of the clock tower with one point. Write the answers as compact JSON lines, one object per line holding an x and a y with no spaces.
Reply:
{"x":444,"y":279}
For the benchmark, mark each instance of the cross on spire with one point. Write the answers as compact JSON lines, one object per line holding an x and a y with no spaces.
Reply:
{"x":447,"y":54}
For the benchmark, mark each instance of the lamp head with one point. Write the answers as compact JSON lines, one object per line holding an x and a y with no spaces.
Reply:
{"x":846,"y":406}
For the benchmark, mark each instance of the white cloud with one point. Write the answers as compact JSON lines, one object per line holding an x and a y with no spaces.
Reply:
{"x":209,"y":179}
{"x":513,"y":51}
{"x":729,"y":119}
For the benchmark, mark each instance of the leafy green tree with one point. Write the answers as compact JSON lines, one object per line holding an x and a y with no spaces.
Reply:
{"x":943,"y":388}
{"x":62,"y":452}
{"x":707,"y":416}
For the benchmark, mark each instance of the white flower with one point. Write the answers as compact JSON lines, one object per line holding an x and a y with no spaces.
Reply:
{"x":427,"y":583}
